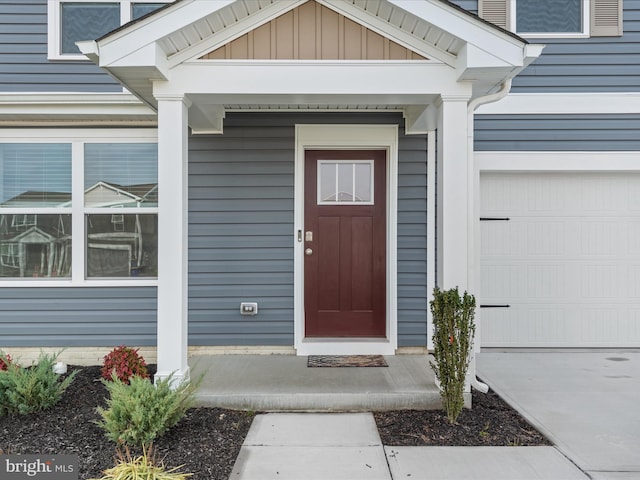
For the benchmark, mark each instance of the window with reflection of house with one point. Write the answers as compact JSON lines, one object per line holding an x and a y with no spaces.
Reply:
{"x":116,"y":185}
{"x":120,"y":200}
{"x":35,"y":210}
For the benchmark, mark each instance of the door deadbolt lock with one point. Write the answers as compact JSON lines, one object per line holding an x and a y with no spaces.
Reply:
{"x":308,"y":251}
{"x":308,"y":236}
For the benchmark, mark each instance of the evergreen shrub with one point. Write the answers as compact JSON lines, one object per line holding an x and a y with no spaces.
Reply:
{"x":139,"y":412}
{"x":453,"y":333}
{"x":33,"y":389}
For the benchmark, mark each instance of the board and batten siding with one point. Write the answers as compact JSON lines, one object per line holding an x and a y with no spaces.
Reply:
{"x":241,"y":230}
{"x":77,"y":317}
{"x":597,"y":64}
{"x":24,"y":66}
{"x":557,"y":132}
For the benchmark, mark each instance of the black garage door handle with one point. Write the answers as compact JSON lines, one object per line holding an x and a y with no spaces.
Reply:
{"x":495,"y":306}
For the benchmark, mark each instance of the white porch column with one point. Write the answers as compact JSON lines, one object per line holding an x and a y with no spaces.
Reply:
{"x":453,"y":195}
{"x":455,"y":206}
{"x":172,"y":237}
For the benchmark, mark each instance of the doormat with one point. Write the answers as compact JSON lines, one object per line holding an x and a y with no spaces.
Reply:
{"x":346,"y":361}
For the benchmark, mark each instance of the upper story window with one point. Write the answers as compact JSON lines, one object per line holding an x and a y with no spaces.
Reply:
{"x":555,"y":18}
{"x":550,"y":17}
{"x":71,"y":21}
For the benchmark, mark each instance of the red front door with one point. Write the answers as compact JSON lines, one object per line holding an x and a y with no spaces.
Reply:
{"x":345,"y":243}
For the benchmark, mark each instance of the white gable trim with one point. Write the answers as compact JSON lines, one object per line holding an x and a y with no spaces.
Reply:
{"x":184,"y":32}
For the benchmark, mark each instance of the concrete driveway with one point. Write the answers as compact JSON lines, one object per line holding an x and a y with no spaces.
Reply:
{"x":586,"y":403}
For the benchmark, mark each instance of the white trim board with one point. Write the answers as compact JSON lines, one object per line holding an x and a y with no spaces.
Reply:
{"x":556,"y":161}
{"x":57,"y":109}
{"x":347,"y":137}
{"x":564,"y":103}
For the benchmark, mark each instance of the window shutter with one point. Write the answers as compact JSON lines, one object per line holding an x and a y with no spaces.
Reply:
{"x":495,"y":11}
{"x":606,"y":18}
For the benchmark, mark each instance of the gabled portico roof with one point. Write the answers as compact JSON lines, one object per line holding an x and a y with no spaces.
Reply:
{"x":161,"y":54}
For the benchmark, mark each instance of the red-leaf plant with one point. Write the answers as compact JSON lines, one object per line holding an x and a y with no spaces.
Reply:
{"x":125,"y":362}
{"x":5,"y":361}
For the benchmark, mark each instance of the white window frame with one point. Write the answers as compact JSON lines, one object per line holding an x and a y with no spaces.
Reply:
{"x":586,"y":24}
{"x":54,"y":24}
{"x":77,"y":138}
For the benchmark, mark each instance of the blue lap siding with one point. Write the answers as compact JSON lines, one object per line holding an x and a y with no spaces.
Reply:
{"x":241,"y":231}
{"x":241,"y":200}
{"x":24,"y":66}
{"x":597,"y":64}
{"x":71,"y":317}
{"x":595,"y":133}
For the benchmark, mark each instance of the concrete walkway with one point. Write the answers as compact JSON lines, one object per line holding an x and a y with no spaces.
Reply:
{"x":586,"y":403}
{"x":347,"y":446}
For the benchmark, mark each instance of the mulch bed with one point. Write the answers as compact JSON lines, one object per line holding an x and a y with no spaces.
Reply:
{"x":207,"y":440}
{"x":490,"y":422}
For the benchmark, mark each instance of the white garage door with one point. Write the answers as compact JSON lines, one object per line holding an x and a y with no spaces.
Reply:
{"x":567,"y":260}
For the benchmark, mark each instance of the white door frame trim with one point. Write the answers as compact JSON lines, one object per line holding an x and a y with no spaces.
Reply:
{"x":361,"y":137}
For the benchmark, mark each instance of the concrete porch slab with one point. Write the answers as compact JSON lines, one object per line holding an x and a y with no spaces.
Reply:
{"x":285,"y":383}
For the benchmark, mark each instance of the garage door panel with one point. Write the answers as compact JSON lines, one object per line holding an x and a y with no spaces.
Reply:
{"x":604,"y":237}
{"x":572,"y":325}
{"x":604,"y":281}
{"x":542,"y":325}
{"x":634,"y":280}
{"x":567,"y":261}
